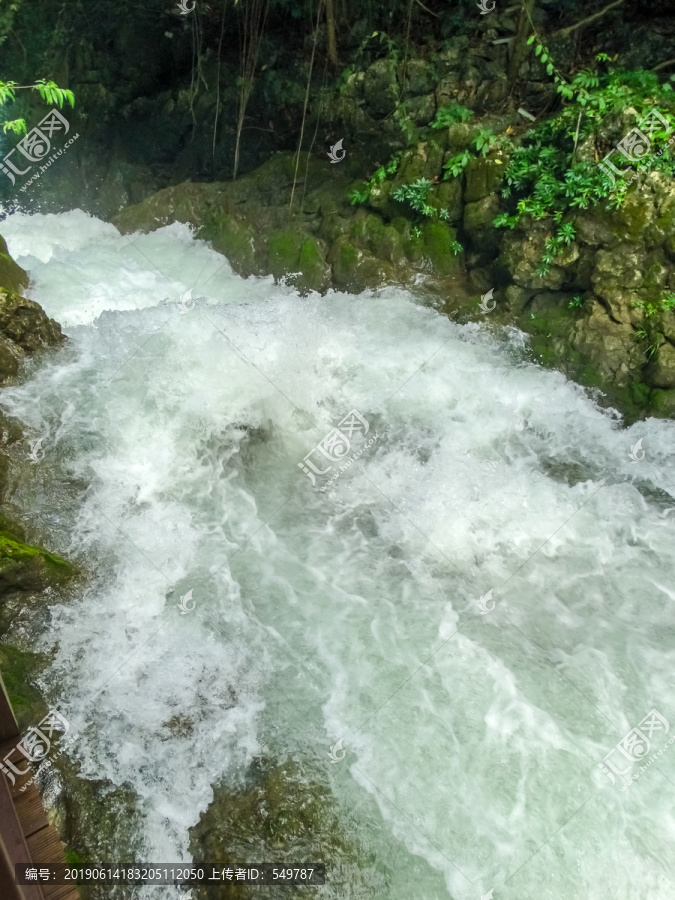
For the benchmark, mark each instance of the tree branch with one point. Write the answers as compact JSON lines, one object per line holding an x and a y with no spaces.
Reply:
{"x":565,"y":31}
{"x":419,"y":3}
{"x":663,"y":65}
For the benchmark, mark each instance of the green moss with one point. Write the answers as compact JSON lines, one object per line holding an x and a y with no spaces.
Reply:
{"x":345,"y":258}
{"x":12,"y":276}
{"x":662,"y":402}
{"x":13,"y":550}
{"x":234,"y":240}
{"x":438,"y":247}
{"x":73,"y":858}
{"x":283,"y":249}
{"x":315,"y":274}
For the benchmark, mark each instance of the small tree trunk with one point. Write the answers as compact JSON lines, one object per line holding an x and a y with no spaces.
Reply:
{"x":519,"y":46}
{"x":330,"y":27}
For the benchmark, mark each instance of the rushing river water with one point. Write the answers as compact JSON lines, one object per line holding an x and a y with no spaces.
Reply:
{"x":172,"y":447}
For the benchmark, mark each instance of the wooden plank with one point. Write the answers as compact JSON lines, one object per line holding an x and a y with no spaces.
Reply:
{"x":13,"y":844}
{"x":8,"y":727}
{"x":40,"y":841}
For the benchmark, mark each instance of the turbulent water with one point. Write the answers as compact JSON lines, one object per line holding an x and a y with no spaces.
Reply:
{"x":172,"y":447}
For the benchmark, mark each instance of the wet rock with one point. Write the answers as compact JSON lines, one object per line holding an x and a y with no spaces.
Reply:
{"x":12,"y":276}
{"x":609,"y":346}
{"x":292,"y":251}
{"x":355,"y":270}
{"x":661,"y":370}
{"x":281,"y":812}
{"x":27,"y":568}
{"x":438,"y":247}
{"x":26,"y":324}
{"x":521,"y":254}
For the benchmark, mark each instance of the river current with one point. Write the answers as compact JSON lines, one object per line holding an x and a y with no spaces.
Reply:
{"x":280,"y":619}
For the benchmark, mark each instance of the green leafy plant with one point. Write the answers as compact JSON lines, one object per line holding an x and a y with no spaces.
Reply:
{"x":390,"y":168}
{"x":650,"y":330}
{"x":543,"y":178}
{"x":451,"y":115}
{"x":49,"y":91}
{"x":576,"y":303}
{"x":415,"y":195}
{"x":485,"y":141}
{"x":455,"y":165}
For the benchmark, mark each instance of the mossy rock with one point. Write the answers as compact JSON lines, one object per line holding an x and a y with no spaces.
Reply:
{"x":26,"y":324}
{"x":459,"y":137}
{"x":660,"y":372}
{"x":480,"y":214}
{"x":283,"y":249}
{"x":27,"y":568}
{"x":483,"y":177}
{"x":424,"y":161}
{"x":355,"y":270}
{"x":662,"y":402}
{"x":438,"y":247}
{"x":448,"y":195}
{"x":281,"y":812}
{"x":237,"y":240}
{"x":313,"y":267}
{"x":380,"y":89}
{"x":383,"y":241}
{"x":19,"y":670}
{"x":12,"y":276}
{"x":185,"y":203}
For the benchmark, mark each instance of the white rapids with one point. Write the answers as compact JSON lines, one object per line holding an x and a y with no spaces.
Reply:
{"x":172,"y":447}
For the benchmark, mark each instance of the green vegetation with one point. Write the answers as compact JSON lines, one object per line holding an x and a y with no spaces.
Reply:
{"x":485,"y":141}
{"x":416,"y":195}
{"x":362,"y":196}
{"x":649,"y":332}
{"x":451,"y":115}
{"x":50,"y":92}
{"x":544,"y":176}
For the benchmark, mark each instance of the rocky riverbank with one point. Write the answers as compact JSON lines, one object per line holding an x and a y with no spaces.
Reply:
{"x":586,"y":316}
